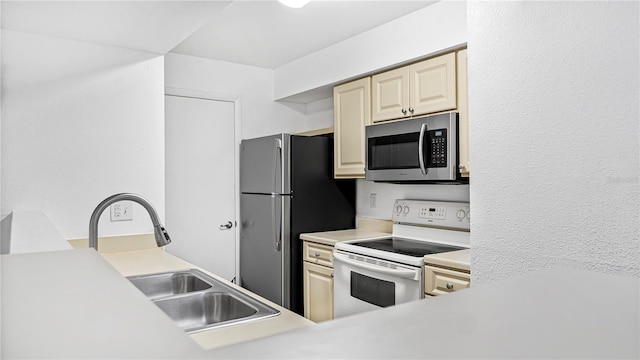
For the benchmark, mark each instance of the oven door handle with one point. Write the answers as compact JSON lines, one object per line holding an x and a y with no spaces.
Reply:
{"x":405,"y":273}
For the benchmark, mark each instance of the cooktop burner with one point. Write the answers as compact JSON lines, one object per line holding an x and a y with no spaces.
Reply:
{"x":406,"y":247}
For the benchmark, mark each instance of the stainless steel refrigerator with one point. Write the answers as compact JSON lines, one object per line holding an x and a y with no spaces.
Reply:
{"x":287,"y":188}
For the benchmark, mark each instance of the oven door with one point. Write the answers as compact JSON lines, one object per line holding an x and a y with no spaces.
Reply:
{"x":363,"y":283}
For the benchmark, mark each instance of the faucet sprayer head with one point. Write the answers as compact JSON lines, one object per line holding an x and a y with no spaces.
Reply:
{"x":162,"y":236}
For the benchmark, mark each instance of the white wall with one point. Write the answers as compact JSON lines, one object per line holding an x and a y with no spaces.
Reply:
{"x":260,"y":114}
{"x":554,"y":90}
{"x":427,"y":31}
{"x":80,"y":122}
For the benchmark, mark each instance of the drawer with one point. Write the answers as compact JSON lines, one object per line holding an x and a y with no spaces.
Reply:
{"x":317,"y":253}
{"x":438,"y":281}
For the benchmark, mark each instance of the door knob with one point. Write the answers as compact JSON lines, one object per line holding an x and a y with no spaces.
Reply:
{"x":226,"y":226}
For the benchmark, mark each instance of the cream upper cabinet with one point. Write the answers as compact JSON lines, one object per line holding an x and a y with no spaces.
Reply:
{"x":390,"y":94}
{"x":351,"y":113}
{"x":421,"y":88}
{"x":463,"y":113}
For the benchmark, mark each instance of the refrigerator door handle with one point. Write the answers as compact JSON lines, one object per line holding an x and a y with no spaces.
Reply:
{"x":277,"y":150}
{"x":277,"y":156}
{"x":275,"y":224}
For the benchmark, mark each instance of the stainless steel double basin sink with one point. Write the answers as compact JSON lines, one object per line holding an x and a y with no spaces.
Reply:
{"x":196,"y":301}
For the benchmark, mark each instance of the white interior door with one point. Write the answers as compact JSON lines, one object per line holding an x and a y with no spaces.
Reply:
{"x":200,"y":180}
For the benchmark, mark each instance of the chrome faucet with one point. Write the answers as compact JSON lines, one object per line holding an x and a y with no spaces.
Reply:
{"x":162,"y":237}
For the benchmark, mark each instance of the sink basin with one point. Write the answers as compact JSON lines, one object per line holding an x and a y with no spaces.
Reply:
{"x":161,"y":285}
{"x":196,"y":301}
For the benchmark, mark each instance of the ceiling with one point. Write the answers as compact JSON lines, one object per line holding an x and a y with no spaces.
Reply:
{"x":258,"y":33}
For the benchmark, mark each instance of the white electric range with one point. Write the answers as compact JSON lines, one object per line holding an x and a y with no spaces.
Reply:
{"x":372,"y":274}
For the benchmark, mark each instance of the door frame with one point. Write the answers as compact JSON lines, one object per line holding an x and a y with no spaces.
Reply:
{"x":237,"y":138}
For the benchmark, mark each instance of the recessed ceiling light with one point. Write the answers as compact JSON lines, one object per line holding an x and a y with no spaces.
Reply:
{"x":294,"y":3}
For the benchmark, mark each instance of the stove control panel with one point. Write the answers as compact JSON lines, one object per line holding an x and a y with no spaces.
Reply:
{"x":456,"y":215}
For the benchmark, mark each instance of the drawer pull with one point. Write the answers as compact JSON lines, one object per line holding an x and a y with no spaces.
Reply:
{"x":317,"y":254}
{"x":449,"y":286}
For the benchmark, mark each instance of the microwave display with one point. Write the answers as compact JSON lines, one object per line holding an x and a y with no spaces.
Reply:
{"x":394,"y":151}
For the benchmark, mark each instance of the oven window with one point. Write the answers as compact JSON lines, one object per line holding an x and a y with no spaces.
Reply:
{"x":394,"y":152}
{"x":374,"y":291}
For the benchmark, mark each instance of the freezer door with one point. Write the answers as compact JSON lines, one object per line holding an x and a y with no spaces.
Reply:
{"x":263,"y":165}
{"x":261,"y":248}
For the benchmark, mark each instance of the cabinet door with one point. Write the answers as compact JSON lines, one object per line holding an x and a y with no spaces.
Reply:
{"x":351,"y":113}
{"x":318,"y":292}
{"x":463,"y":110}
{"x":390,"y":92}
{"x":433,"y":85}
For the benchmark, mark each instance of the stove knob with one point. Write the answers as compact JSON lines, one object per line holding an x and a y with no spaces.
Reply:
{"x":461,"y":214}
{"x":398,"y":210}
{"x":406,"y":210}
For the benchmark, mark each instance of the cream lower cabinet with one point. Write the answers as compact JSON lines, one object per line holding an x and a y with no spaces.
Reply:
{"x":351,"y":113}
{"x":441,"y":280}
{"x":317,"y":281}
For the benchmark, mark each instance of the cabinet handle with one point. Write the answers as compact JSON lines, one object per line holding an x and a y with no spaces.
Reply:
{"x":461,"y":166}
{"x":404,"y":111}
{"x":411,"y":110}
{"x":449,"y":286}
{"x":317,"y":254}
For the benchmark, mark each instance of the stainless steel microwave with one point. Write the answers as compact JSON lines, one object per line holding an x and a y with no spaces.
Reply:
{"x":419,"y":150}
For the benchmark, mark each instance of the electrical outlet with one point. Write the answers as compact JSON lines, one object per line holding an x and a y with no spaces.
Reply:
{"x":373,"y":200}
{"x":121,"y":211}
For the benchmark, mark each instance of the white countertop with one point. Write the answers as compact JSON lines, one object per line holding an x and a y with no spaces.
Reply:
{"x":459,"y":259}
{"x":557,"y":313}
{"x":72,"y":304}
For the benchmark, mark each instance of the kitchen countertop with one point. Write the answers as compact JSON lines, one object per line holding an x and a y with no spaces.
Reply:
{"x":332,"y":237}
{"x":459,"y":259}
{"x":91,"y":311}
{"x":556,"y":313}
{"x":157,"y":260}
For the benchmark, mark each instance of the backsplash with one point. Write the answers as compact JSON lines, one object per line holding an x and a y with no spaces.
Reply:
{"x":375,"y":200}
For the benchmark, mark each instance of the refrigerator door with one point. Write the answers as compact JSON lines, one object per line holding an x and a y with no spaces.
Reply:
{"x":263,"y":165}
{"x":318,"y":203}
{"x":263,"y":254}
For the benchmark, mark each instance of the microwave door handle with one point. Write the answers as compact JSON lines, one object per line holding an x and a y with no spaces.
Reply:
{"x":409,"y":274}
{"x":421,"y":160}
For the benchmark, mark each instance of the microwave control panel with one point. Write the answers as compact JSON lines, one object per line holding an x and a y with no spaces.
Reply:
{"x":456,"y":215}
{"x":438,"y":147}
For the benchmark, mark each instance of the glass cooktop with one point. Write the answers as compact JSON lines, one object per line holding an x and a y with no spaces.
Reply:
{"x":407,"y":247}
